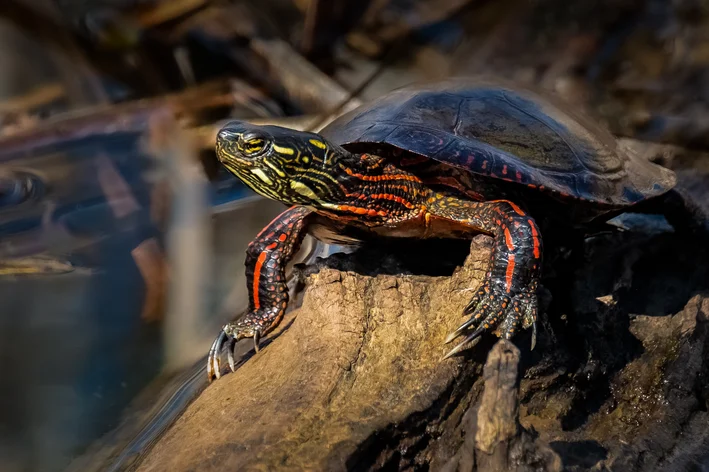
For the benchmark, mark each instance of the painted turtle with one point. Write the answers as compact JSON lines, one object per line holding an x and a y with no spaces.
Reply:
{"x":450,"y":159}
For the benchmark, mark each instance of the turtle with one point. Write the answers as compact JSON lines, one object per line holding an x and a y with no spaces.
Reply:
{"x":448,"y":159}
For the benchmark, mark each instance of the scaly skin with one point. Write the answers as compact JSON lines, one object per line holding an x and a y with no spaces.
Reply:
{"x":266,"y":259}
{"x":370,"y":194}
{"x":508,"y":294}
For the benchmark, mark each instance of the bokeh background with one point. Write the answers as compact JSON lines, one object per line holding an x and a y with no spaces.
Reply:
{"x":122,"y":240}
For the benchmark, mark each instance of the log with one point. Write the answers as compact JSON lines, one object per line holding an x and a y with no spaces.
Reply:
{"x":360,"y":356}
{"x":352,"y":379}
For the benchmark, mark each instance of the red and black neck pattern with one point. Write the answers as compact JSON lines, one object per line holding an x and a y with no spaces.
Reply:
{"x":375,"y":192}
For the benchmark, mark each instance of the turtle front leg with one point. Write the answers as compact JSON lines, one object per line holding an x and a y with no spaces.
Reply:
{"x":507,"y":298}
{"x":266,"y":259}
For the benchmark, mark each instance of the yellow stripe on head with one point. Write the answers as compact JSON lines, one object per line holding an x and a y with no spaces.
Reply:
{"x":319,"y":173}
{"x":262,"y":175}
{"x":275,"y":169}
{"x":283,"y":150}
{"x":304,"y":190}
{"x":317,"y":143}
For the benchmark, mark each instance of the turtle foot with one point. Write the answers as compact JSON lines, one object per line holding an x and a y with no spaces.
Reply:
{"x":253,"y":325}
{"x":494,"y":309}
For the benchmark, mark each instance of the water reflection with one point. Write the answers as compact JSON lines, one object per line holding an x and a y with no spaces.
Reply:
{"x":84,"y":275}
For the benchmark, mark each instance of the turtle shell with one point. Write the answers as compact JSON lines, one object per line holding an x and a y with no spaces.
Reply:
{"x":505,"y":132}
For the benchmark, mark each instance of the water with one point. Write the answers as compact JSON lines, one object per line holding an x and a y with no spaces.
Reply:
{"x":82,"y":284}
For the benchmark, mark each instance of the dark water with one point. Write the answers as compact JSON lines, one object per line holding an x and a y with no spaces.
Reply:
{"x":82,"y":331}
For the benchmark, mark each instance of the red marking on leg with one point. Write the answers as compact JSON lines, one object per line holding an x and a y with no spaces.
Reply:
{"x":531,"y":186}
{"x":517,"y":209}
{"x":508,"y":240}
{"x":535,"y":238}
{"x":504,"y":169}
{"x":510,"y":272}
{"x":257,"y":272}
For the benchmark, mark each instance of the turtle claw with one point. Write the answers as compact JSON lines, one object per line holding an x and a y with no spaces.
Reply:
{"x":213,"y":360}
{"x":213,"y":365}
{"x":462,"y":345}
{"x":452,"y":336}
{"x":230,"y":354}
{"x":257,"y":340}
{"x":232,"y":332}
{"x":459,"y":331}
{"x":493,"y":309}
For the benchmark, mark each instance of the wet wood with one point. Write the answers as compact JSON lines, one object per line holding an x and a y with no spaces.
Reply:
{"x":495,"y":440}
{"x":353,"y":378}
{"x":360,"y":356}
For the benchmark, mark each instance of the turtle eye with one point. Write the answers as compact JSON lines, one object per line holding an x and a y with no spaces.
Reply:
{"x":253,"y":145}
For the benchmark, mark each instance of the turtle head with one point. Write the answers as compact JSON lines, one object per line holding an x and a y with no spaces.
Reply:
{"x":283,"y":164}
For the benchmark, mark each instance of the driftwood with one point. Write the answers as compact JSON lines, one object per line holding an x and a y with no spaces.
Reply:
{"x":495,"y":439}
{"x":359,"y":357}
{"x":353,"y":380}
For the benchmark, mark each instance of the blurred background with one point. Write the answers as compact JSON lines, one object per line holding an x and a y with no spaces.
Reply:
{"x":121,"y":238}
